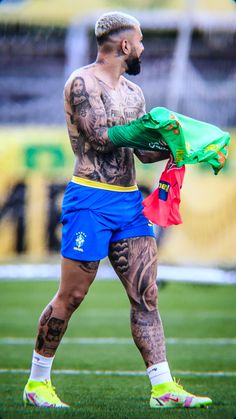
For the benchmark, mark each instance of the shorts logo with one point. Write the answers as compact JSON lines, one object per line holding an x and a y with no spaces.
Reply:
{"x":79,"y":241}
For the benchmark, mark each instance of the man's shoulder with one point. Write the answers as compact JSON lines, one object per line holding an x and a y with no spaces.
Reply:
{"x":83,"y":73}
{"x":131,"y":85}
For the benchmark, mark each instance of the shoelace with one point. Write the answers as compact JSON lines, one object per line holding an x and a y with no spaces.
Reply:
{"x":180,"y":387}
{"x":177,"y":383}
{"x":51,"y":389}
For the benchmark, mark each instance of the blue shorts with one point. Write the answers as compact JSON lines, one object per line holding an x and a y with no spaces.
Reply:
{"x":92,"y":218}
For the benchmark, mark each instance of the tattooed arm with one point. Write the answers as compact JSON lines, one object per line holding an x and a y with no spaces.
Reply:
{"x":85,"y":113}
{"x":151,"y":156}
{"x":146,"y":156}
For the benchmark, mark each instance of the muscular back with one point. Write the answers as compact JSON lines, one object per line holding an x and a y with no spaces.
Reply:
{"x":91,"y":107}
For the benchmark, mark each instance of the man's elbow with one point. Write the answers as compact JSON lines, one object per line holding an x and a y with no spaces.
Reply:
{"x":144,"y":156}
{"x":145,"y":159}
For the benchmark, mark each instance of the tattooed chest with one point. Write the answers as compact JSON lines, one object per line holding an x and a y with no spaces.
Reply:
{"x":120,"y":108}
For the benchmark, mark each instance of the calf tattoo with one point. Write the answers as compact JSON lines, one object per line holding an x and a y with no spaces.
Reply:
{"x":148,"y":335}
{"x":51,"y":330}
{"x":46,"y":315}
{"x":55,"y":327}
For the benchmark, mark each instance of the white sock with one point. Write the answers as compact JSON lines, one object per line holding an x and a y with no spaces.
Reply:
{"x":41,"y":367}
{"x":159,"y":373}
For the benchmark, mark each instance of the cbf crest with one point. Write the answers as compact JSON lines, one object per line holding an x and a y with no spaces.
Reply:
{"x":79,"y":241}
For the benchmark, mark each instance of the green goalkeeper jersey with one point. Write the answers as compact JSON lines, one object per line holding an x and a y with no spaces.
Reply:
{"x":189,"y":140}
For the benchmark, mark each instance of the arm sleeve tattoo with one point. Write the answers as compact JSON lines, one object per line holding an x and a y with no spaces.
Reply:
{"x":88,"y":116}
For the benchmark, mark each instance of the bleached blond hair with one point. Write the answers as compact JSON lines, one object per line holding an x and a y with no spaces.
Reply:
{"x":114,"y":21}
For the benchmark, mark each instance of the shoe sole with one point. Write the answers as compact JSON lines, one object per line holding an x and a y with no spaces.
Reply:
{"x":29,"y":403}
{"x":198,"y":405}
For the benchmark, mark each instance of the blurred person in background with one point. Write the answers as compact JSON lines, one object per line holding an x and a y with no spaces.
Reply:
{"x":102,"y":215}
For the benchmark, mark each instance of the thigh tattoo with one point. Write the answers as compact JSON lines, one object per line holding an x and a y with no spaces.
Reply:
{"x":89,"y":267}
{"x":135,"y":262}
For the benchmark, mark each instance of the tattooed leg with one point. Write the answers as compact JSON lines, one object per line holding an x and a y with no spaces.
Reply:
{"x":148,"y":335}
{"x":75,"y":281}
{"x":135,"y":262}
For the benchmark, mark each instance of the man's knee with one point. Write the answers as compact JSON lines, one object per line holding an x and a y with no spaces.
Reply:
{"x":145,"y":298}
{"x":149,"y":297}
{"x":77,"y":294}
{"x":72,"y":299}
{"x":76,"y":280}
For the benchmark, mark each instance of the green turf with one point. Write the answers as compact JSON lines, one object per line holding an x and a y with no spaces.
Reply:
{"x":188,"y":311}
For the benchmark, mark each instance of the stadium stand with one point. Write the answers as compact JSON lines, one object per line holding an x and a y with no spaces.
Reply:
{"x":189,"y":65}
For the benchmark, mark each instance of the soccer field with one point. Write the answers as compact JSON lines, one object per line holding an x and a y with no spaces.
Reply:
{"x":98,"y":370}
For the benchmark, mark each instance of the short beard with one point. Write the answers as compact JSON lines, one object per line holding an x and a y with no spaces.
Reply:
{"x":133,"y":66}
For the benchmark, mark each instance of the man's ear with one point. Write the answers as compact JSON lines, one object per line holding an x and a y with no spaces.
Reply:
{"x":125,"y":46}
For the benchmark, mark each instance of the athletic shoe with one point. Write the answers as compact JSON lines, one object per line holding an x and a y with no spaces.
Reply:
{"x":41,"y":394}
{"x":173,"y":395}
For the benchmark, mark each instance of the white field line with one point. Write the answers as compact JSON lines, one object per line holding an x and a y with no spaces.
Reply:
{"x":121,"y":341}
{"x":192,"y":274}
{"x":123,"y":373}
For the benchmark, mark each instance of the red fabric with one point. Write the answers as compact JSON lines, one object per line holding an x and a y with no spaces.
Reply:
{"x":162,"y":206}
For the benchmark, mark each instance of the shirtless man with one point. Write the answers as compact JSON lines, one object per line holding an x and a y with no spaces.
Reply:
{"x":102,"y":215}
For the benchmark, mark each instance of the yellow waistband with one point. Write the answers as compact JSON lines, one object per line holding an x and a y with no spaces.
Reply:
{"x":105,"y":186}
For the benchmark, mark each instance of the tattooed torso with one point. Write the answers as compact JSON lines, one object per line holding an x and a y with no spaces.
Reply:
{"x":91,"y":107}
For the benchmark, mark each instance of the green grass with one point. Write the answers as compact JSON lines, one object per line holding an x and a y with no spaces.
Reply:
{"x":188,"y":311}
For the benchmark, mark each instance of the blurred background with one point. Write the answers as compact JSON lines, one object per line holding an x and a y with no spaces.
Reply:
{"x":189,"y":66}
